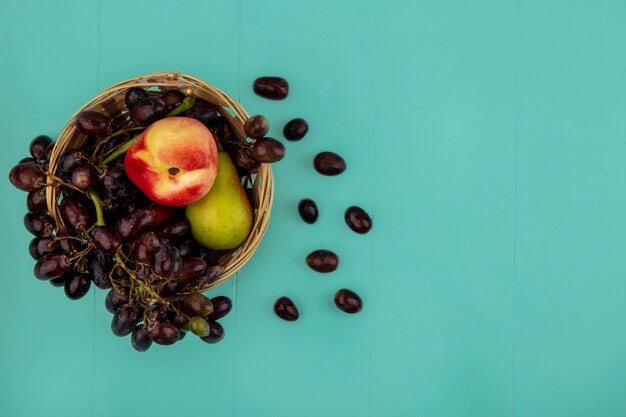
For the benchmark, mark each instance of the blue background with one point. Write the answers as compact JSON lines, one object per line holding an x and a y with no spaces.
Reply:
{"x":486,"y":138}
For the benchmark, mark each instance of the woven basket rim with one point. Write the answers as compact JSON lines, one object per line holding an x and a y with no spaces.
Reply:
{"x":263,"y":185}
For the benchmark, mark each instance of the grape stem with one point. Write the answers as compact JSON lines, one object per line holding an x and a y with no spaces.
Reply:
{"x":133,"y":277}
{"x":120,"y":150}
{"x":98,"y":204}
{"x":108,"y":138}
{"x":187,"y":103}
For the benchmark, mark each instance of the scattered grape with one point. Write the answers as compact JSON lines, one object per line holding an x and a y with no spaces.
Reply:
{"x":323,"y":261}
{"x":286,"y":309}
{"x":296,"y":129}
{"x":273,"y":88}
{"x":348,"y":301}
{"x":358,"y":220}
{"x":308,"y":210}
{"x":329,"y":163}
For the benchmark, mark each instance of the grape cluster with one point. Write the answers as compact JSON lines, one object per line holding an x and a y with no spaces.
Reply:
{"x":112,"y":236}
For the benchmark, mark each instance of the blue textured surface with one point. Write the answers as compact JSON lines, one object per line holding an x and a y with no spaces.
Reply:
{"x":487,"y":140}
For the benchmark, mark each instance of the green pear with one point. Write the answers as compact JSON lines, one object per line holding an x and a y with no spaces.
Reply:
{"x":222,"y":219}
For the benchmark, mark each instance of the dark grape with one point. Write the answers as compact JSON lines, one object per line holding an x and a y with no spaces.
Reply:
{"x":133,"y":95}
{"x":202,"y":111}
{"x":164,"y":333}
{"x":256,"y":127}
{"x":115,"y":184}
{"x":133,"y":225}
{"x":41,"y":246}
{"x":273,"y":88}
{"x":221,"y":129}
{"x":106,"y":240}
{"x":38,"y":147}
{"x":286,"y":309}
{"x":36,"y":201}
{"x":216,"y":333}
{"x":51,"y":265}
{"x":358,"y":219}
{"x":348,"y":301}
{"x":308,"y":210}
{"x":92,"y":123}
{"x":181,"y":335}
{"x":199,"y":326}
{"x":323,"y":261}
{"x":268,"y":150}
{"x":186,"y":247}
{"x":243,"y":158}
{"x":69,"y":161}
{"x":84,"y":177}
{"x":296,"y":129}
{"x":134,"y":202}
{"x":169,"y":288}
{"x":147,"y":110}
{"x":211,"y":274}
{"x":329,"y":163}
{"x":114,"y":300}
{"x":144,"y":247}
{"x":156,"y":312}
{"x":166,"y":262}
{"x":77,"y":285}
{"x":59,"y":282}
{"x":99,"y":265}
{"x":172,"y":99}
{"x":192,"y":268}
{"x":221,"y":307}
{"x":196,"y":305}
{"x":74,"y":213}
{"x":175,"y":229}
{"x":49,"y":150}
{"x":28,"y":160}
{"x":140,"y":339}
{"x":39,"y":224}
{"x":112,"y":209}
{"x":124,"y":320}
{"x":27,"y":177}
{"x":70,"y":245}
{"x":182,"y":322}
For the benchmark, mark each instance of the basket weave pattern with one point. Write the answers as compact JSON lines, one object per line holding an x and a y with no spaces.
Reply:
{"x":111,"y":102}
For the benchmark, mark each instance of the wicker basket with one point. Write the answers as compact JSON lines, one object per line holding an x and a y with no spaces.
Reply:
{"x":111,"y":102}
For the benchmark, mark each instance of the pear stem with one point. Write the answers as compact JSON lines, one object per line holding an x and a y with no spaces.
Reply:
{"x":187,"y":103}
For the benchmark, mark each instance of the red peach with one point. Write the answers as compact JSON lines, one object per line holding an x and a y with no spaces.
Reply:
{"x":174,"y":161}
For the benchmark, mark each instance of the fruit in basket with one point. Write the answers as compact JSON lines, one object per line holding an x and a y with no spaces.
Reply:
{"x":222,"y":219}
{"x":174,"y":161}
{"x":92,"y":123}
